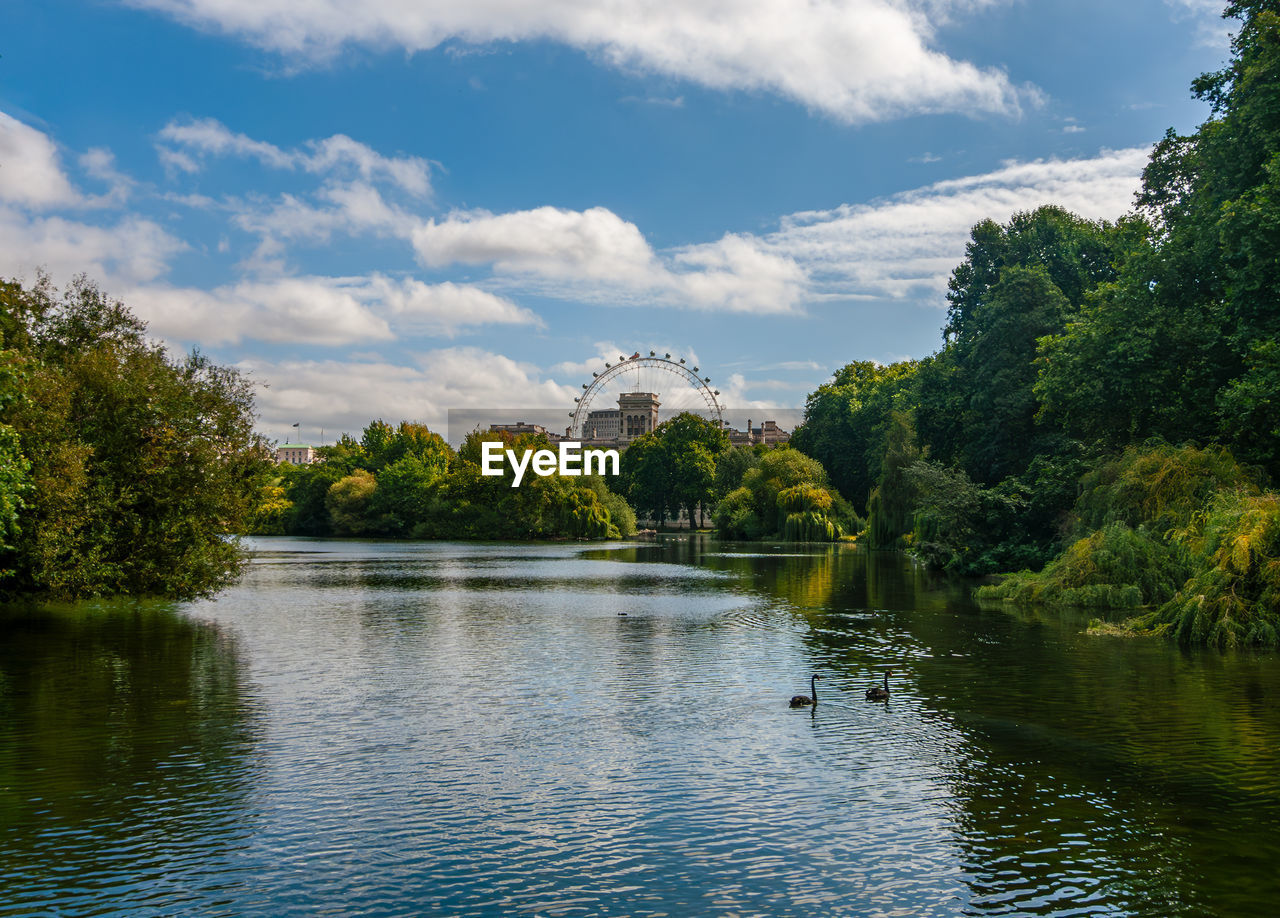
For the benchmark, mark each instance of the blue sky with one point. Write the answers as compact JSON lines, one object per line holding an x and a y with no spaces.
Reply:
{"x":397,"y":207}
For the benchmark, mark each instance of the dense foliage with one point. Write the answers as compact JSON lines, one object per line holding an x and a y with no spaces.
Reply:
{"x":784,"y":494}
{"x":1185,"y":531}
{"x":405,"y":482}
{"x":673,"y":468}
{"x":122,"y":470}
{"x":1147,"y":349}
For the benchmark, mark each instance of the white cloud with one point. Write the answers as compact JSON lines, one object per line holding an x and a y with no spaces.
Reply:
{"x":338,"y":154}
{"x":1212,"y":31}
{"x":326,"y":311}
{"x":855,"y":60}
{"x":549,"y":241}
{"x":31,"y":175}
{"x":296,"y":310}
{"x":909,"y":243}
{"x":349,"y":208}
{"x":738,"y":275}
{"x":133,"y":250}
{"x":597,"y":256}
{"x":100,"y":163}
{"x":447,"y":307}
{"x":346,"y":395}
{"x":905,"y":245}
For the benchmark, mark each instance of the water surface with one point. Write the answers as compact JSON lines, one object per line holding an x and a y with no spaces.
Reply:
{"x":460,"y":729}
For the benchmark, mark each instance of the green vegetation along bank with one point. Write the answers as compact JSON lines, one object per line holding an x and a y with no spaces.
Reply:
{"x":1106,"y":400}
{"x":406,"y":482}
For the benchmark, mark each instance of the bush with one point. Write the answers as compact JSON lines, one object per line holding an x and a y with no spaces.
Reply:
{"x":1117,"y":567}
{"x":1234,"y":596}
{"x":1156,"y":485}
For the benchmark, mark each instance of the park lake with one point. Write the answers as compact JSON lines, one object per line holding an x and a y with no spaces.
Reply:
{"x":562,"y":729}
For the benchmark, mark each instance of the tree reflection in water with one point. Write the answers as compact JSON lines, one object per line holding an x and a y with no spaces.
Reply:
{"x":125,"y":734}
{"x":1085,"y":770}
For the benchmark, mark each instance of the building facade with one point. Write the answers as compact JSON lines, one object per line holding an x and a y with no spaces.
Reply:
{"x":296,"y":454}
{"x":768,"y":433}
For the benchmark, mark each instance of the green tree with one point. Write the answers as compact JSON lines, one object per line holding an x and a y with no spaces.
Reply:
{"x":846,"y":421}
{"x":731,"y":466}
{"x":349,"y":503}
{"x":15,"y":485}
{"x":693,"y":444}
{"x":648,"y":479}
{"x":975,"y":400}
{"x":139,"y":464}
{"x":893,"y":502}
{"x":673,"y":467}
{"x":787,"y":495}
{"x":1176,"y":346}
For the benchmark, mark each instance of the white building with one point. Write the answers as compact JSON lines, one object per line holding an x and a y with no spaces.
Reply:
{"x":296,"y":454}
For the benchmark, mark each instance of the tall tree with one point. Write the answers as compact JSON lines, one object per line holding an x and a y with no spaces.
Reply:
{"x":140,"y":464}
{"x":846,"y":422}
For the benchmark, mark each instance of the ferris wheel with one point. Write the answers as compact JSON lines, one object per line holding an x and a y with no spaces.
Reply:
{"x":676,"y":384}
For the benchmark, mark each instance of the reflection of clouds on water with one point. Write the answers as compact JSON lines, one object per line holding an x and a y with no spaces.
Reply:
{"x":475,"y":730}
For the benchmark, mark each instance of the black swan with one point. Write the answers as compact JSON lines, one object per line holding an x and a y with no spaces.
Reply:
{"x":803,"y":701}
{"x":876,"y":693}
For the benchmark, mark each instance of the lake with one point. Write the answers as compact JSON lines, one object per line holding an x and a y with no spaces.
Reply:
{"x":362,"y":728}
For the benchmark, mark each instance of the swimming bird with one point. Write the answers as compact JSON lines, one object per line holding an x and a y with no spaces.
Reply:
{"x":876,"y":693}
{"x":803,"y":701}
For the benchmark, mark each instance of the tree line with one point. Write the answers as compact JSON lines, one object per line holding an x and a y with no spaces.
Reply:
{"x":404,"y":481}
{"x":1092,"y":376}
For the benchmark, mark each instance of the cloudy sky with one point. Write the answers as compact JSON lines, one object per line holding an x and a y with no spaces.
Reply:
{"x":397,"y":207}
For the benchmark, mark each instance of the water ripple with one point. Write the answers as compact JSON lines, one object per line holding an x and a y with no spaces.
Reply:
{"x":473,"y":731}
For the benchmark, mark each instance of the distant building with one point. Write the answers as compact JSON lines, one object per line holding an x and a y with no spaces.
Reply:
{"x":603,"y":424}
{"x":636,"y":415}
{"x":768,"y":433}
{"x":639,"y":411}
{"x":296,"y":454}
{"x":520,"y":427}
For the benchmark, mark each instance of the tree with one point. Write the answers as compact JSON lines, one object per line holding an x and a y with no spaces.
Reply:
{"x":846,"y":421}
{"x":975,"y":400}
{"x":731,"y":465}
{"x":786,"y":495}
{"x":1176,"y":345}
{"x":15,"y":469}
{"x":406,"y":491}
{"x":348,"y":502}
{"x":647,"y":478}
{"x":139,"y":464}
{"x":693,"y":444}
{"x":893,"y":501}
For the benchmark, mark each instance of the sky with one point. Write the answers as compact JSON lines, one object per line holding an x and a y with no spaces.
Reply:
{"x":394,"y":208}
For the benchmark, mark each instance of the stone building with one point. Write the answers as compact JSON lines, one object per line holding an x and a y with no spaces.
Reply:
{"x":768,"y":433}
{"x":520,"y":427}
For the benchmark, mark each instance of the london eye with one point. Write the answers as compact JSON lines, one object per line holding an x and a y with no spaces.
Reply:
{"x":678,"y":386}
